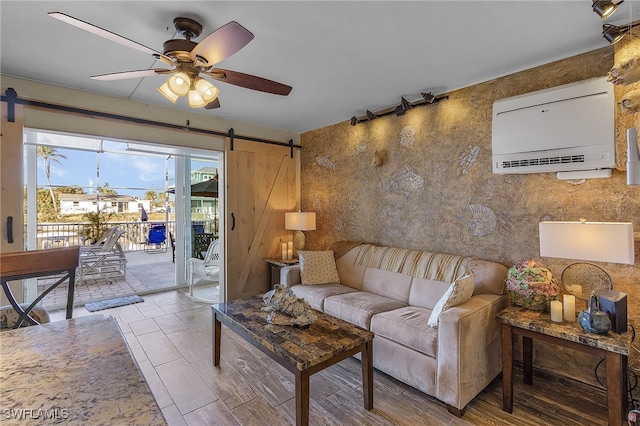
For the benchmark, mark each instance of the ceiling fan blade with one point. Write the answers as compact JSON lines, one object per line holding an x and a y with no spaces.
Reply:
{"x":106,"y":34}
{"x":213,"y":104}
{"x":222,"y":43}
{"x":131,"y":74}
{"x":250,"y":81}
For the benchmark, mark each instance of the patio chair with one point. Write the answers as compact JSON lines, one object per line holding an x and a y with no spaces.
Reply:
{"x":102,"y":261}
{"x":207,"y":270}
{"x":157,"y":240}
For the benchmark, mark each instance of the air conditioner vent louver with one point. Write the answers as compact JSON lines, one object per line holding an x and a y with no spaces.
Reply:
{"x":566,"y":159}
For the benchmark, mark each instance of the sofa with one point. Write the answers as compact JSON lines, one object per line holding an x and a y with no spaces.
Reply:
{"x":433,"y":314}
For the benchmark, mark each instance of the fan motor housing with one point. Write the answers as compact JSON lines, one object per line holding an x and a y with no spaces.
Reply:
{"x":178,"y":48}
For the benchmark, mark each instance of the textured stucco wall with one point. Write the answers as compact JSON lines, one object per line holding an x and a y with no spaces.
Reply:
{"x":435,"y":189}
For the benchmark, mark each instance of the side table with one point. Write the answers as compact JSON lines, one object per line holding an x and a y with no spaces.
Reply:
{"x":537,"y":325}
{"x":274,"y":265}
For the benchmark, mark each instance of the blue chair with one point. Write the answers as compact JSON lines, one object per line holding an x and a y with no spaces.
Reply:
{"x":157,"y":240}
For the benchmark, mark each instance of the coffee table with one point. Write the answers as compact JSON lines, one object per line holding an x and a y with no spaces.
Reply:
{"x":302,"y":351}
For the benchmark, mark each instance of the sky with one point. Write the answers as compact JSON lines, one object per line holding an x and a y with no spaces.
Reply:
{"x":127,"y":172}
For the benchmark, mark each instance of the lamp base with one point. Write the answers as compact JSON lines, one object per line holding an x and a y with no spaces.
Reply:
{"x":298,"y":240}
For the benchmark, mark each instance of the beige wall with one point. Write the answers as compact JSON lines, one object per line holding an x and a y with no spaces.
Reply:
{"x":436,"y":189}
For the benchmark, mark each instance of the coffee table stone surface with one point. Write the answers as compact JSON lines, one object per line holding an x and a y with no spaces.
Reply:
{"x":302,"y":346}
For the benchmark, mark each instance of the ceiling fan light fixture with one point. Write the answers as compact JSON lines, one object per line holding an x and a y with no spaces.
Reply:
{"x":179,"y":84}
{"x":206,"y":90}
{"x":195,"y":99}
{"x":605,"y":8}
{"x":167,"y":93}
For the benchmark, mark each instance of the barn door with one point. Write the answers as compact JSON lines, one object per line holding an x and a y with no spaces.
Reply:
{"x":261,"y":186}
{"x":12,"y":189}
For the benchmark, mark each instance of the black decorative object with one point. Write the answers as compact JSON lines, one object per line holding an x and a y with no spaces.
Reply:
{"x":614,"y":304}
{"x":592,"y":319}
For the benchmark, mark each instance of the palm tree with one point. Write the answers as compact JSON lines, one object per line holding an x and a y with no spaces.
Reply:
{"x":49,"y":155}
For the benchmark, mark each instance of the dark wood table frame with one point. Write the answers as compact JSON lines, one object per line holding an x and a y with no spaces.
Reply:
{"x":616,"y":368}
{"x":301,"y":376}
{"x":39,"y":263}
{"x":274,"y":265}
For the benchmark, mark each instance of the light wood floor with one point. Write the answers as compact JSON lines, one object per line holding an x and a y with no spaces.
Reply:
{"x":170,"y":337}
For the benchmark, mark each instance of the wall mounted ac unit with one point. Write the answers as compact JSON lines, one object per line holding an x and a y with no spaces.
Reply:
{"x":568,"y":129}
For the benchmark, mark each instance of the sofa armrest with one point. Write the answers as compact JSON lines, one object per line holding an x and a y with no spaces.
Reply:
{"x":469,"y":349}
{"x":290,"y":275}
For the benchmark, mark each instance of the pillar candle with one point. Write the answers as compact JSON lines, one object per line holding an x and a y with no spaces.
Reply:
{"x":569,"y":303}
{"x":556,"y":311}
{"x":290,"y":254}
{"x":284,"y":251}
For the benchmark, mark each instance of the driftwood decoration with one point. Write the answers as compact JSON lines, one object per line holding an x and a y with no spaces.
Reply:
{"x":625,"y":73}
{"x":379,"y":158}
{"x":630,"y":102}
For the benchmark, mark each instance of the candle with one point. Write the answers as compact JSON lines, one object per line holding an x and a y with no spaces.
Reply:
{"x":290,"y":249}
{"x":284,"y":251}
{"x":569,"y":303}
{"x":556,"y":311}
{"x":290,"y":254}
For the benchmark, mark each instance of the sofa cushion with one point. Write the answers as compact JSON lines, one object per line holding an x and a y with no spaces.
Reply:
{"x":315,"y":294}
{"x":459,"y":292}
{"x":350,"y":272}
{"x":407,"y":326}
{"x":318,"y":267}
{"x":426,"y":293}
{"x":416,"y":263}
{"x":359,"y":306}
{"x":393,"y":285}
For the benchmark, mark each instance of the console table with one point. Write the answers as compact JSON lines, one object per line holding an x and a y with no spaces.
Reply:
{"x":21,"y":265}
{"x":534,"y":325}
{"x":76,"y":371}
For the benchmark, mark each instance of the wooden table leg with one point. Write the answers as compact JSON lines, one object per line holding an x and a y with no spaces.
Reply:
{"x":527,"y":359}
{"x":507,"y":368}
{"x":217,"y":331}
{"x":302,"y":398}
{"x":616,"y":387}
{"x":367,"y":375}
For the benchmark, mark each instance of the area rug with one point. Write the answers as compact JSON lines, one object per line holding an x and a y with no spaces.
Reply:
{"x":113,"y":303}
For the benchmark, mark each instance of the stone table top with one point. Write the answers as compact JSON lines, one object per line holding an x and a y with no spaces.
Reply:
{"x":540,"y":322}
{"x":77,"y":371}
{"x":281,"y":262}
{"x":303,"y":347}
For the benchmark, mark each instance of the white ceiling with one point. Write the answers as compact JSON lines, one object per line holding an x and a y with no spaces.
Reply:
{"x":341,"y":57}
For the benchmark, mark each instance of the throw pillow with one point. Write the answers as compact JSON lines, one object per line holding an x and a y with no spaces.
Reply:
{"x":459,"y":292}
{"x":318,"y":267}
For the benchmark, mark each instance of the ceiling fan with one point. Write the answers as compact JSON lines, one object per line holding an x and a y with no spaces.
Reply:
{"x":189,"y":60}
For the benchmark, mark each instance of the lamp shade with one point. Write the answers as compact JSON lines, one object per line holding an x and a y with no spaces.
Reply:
{"x":300,"y":221}
{"x":207,"y":90}
{"x":595,"y":241}
{"x":195,"y":99}
{"x":167,"y":93}
{"x":179,"y":84}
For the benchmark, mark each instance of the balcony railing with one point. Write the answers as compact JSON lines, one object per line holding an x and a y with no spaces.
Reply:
{"x":51,"y":235}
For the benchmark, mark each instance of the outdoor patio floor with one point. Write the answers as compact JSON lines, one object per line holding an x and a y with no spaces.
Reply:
{"x":145,"y":273}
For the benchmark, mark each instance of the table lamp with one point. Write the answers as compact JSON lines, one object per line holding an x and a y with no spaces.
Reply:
{"x":299,"y":221}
